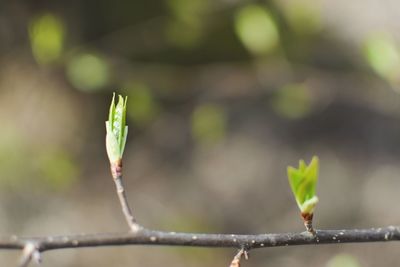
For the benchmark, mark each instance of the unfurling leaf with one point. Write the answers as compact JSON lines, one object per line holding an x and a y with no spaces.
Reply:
{"x":117,"y":130}
{"x":303,"y":182}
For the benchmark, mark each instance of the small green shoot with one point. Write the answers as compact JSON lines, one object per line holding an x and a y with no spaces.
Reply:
{"x":303,"y":182}
{"x":117,"y":130}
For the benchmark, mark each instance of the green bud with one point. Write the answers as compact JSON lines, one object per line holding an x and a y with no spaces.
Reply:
{"x":117,"y":130}
{"x":303,"y":182}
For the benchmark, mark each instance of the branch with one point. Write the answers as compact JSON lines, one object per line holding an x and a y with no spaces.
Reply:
{"x":123,"y":199}
{"x":247,"y":242}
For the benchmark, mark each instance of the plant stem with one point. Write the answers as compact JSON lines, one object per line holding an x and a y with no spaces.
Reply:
{"x":236,"y":260}
{"x":29,"y":252}
{"x":116,"y":171}
{"x":247,"y":242}
{"x":308,"y":219}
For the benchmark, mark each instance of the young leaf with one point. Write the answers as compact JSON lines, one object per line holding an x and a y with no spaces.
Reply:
{"x":303,"y":182}
{"x":117,"y":130}
{"x":112,"y":109}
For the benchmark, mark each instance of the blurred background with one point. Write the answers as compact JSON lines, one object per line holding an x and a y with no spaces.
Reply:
{"x":222,"y":96}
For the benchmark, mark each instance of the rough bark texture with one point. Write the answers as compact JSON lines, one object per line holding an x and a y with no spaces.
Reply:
{"x":247,"y":242}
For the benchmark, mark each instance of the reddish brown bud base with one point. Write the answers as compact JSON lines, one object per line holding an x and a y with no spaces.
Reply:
{"x":116,"y":169}
{"x":307,"y":217}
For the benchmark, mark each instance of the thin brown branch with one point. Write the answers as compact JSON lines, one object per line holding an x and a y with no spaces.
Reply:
{"x":247,"y":242}
{"x":123,"y":199}
{"x":116,"y":172}
{"x":236,"y":260}
{"x":29,"y":252}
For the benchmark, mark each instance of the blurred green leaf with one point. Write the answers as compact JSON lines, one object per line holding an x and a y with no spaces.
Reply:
{"x":56,"y":169}
{"x":303,"y":16}
{"x":343,"y":260}
{"x":183,"y":35}
{"x":383,"y":56}
{"x":46,"y":35}
{"x":44,"y":167}
{"x":257,"y":29}
{"x":292,"y":101}
{"x":188,"y":11}
{"x":143,"y":108}
{"x":208,"y":123}
{"x":88,"y":72}
{"x":303,"y":182}
{"x":185,"y":28}
{"x":13,"y":151}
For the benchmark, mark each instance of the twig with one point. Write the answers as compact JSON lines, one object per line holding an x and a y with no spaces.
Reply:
{"x":308,"y":220}
{"x":29,"y":252}
{"x":150,"y":237}
{"x":116,"y":171}
{"x":236,"y":260}
{"x":134,"y":226}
